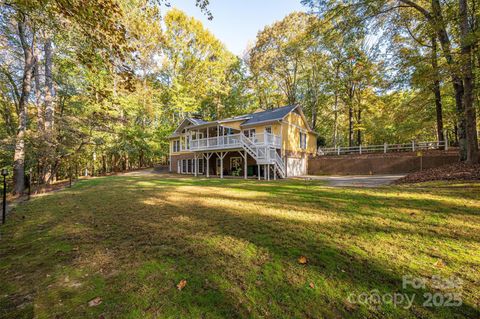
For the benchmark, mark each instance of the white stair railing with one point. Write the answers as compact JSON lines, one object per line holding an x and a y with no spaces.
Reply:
{"x":280,"y":165}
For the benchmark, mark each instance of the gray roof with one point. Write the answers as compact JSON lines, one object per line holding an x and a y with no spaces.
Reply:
{"x":197,"y":121}
{"x":269,"y":115}
{"x":250,"y":119}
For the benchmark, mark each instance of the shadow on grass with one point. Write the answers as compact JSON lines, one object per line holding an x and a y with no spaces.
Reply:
{"x":132,"y":239}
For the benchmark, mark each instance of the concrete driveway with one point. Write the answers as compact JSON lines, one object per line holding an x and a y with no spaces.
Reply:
{"x":356,"y":180}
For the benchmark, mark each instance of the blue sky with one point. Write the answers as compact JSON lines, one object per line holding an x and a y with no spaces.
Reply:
{"x":237,"y":22}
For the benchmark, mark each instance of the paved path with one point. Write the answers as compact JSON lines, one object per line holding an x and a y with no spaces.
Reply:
{"x":356,"y":180}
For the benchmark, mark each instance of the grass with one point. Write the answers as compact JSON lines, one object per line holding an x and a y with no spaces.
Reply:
{"x":130,"y":240}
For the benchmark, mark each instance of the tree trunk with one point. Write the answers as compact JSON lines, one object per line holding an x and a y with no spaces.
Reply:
{"x":466,"y":52}
{"x":314,"y":116}
{"x":335,"y":120}
{"x":439,"y":25}
{"x":437,"y":93}
{"x":38,"y":92}
{"x":350,"y":125}
{"x":359,"y":131}
{"x":19,"y":155}
{"x":49,"y":107}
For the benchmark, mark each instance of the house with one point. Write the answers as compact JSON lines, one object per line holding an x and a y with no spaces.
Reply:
{"x":264,"y":144}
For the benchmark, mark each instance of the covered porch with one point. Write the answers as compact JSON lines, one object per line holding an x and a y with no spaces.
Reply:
{"x":226,"y":163}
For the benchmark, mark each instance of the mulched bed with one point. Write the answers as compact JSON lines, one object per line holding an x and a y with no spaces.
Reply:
{"x":451,"y":172}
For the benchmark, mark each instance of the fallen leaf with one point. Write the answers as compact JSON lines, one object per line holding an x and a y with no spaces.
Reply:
{"x":439,"y":264}
{"x":312,"y":285}
{"x":182,"y":284}
{"x":302,"y":260}
{"x":95,"y":302}
{"x":350,"y":306}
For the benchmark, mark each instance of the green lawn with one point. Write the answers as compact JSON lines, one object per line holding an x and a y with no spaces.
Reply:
{"x":130,"y":240}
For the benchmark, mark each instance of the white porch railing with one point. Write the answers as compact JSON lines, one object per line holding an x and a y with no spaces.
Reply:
{"x":385,"y":148}
{"x":232,"y":141}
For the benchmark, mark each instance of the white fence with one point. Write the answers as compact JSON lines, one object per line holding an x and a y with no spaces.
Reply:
{"x":385,"y":148}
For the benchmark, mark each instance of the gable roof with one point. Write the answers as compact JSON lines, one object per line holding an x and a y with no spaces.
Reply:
{"x":251,"y":119}
{"x":269,"y":115}
{"x":184,"y":123}
{"x":197,"y":121}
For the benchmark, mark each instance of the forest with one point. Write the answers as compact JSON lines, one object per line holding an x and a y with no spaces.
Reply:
{"x":96,"y":86}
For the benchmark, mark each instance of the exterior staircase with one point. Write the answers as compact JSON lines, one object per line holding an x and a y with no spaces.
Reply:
{"x":264,"y":155}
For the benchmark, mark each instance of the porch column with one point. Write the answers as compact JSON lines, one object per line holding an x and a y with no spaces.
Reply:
{"x":268,"y":171}
{"x":221,"y":156}
{"x":196,"y":165}
{"x":258,"y":171}
{"x":245,"y":165}
{"x":221,"y":166}
{"x":207,"y":158}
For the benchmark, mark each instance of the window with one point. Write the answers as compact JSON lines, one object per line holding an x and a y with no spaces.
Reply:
{"x":268,"y":129}
{"x":184,"y":166}
{"x":227,"y":131}
{"x":176,"y":146}
{"x":189,"y":170}
{"x":249,"y":133}
{"x":303,"y":140}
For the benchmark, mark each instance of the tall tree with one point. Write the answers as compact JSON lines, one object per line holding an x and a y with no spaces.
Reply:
{"x":27,"y":42}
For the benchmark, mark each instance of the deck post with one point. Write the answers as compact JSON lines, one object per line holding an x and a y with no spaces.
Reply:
{"x":208,"y":165}
{"x":258,"y":171}
{"x":221,"y":156}
{"x":221,"y":165}
{"x":196,"y":164}
{"x":245,"y":165}
{"x":207,"y":157}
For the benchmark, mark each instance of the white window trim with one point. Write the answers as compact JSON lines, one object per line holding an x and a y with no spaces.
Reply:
{"x":303,"y":144}
{"x":250,"y":130}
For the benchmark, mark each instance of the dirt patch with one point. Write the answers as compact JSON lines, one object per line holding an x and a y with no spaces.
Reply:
{"x":451,"y":172}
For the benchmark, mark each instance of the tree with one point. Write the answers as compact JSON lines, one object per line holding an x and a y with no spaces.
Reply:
{"x":278,"y":55}
{"x":28,"y":63}
{"x":433,"y":18}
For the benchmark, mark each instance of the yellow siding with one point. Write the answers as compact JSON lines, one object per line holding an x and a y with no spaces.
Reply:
{"x":311,"y":143}
{"x":291,"y":128}
{"x":234,"y":125}
{"x":260,"y":129}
